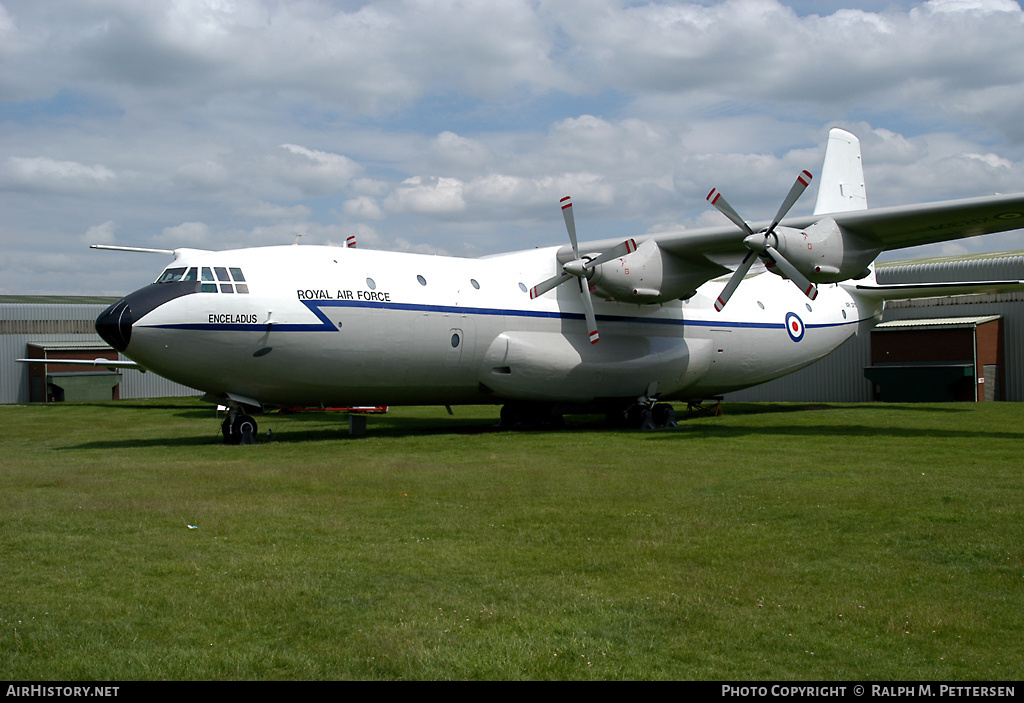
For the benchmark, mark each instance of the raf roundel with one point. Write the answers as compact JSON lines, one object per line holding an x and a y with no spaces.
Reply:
{"x":795,"y":327}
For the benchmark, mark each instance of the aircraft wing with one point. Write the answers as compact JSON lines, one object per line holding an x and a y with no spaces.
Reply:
{"x":928,"y":223}
{"x":888,"y":228}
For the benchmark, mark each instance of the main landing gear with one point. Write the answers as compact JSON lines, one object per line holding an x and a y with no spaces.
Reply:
{"x":531,"y":416}
{"x":649,"y":416}
{"x":642,"y":415}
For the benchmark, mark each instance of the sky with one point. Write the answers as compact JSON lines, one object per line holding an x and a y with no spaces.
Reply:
{"x":454,"y":127}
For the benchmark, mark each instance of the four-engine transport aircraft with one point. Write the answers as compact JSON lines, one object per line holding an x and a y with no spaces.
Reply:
{"x":616,"y":325}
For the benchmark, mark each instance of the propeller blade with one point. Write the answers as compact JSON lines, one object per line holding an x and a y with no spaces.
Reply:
{"x":570,"y":224}
{"x":759,"y":243}
{"x":542,"y":288}
{"x":734,"y":282}
{"x":802,"y":181}
{"x":588,"y":309}
{"x":719,"y":201}
{"x":575,"y":269}
{"x":808,"y":288}
{"x":627,"y":247}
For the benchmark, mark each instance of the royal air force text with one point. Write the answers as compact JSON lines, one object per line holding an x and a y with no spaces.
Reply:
{"x":366,"y":295}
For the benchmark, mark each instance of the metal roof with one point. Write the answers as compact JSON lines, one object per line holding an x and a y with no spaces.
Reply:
{"x":57,"y":299}
{"x":991,"y":268}
{"x":71,"y":346}
{"x":937,"y":322}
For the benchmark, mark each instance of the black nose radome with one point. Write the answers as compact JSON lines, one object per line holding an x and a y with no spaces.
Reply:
{"x":114,"y":325}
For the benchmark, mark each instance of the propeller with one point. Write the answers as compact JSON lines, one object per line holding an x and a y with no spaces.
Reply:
{"x":760,"y":243}
{"x":581,"y":269}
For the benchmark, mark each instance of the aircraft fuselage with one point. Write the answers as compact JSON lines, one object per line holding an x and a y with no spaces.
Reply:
{"x":327,"y":326}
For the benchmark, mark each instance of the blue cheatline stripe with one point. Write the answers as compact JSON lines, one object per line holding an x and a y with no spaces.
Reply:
{"x":325,"y":324}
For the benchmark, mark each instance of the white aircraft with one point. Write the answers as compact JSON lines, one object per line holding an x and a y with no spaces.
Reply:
{"x":621,"y":326}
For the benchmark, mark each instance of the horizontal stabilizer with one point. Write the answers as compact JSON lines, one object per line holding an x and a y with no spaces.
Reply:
{"x":909,"y":291}
{"x":85,"y":362}
{"x":139,"y":250}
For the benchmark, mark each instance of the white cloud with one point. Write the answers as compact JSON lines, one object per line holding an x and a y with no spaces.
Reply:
{"x":267,"y":210}
{"x":101,"y":234}
{"x":427,"y":195}
{"x":982,"y":6}
{"x":216,"y":123}
{"x":363,"y":207}
{"x":187,"y":234}
{"x":990,"y":160}
{"x":317,"y":172}
{"x":44,"y":173}
{"x":459,"y":153}
{"x":203,"y":176}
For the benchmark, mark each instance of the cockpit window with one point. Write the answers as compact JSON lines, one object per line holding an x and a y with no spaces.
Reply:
{"x":240,"y":285}
{"x":171,"y":275}
{"x":210,"y":276}
{"x":222,"y":275}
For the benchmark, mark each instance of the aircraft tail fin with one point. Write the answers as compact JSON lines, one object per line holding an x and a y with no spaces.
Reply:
{"x":841,"y":188}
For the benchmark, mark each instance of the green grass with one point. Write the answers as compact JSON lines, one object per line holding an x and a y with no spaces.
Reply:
{"x":867,"y":542}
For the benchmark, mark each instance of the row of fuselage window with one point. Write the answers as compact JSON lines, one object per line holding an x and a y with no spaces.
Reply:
{"x":212,"y":279}
{"x":230,"y":280}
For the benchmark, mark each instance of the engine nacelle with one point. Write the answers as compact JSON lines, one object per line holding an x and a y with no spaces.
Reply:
{"x":648,"y":275}
{"x":825,"y":252}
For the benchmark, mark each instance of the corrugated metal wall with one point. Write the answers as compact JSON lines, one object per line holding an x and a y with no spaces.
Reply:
{"x":62,"y":320}
{"x":839,"y":377}
{"x":999,"y":268}
{"x":1009,"y":305}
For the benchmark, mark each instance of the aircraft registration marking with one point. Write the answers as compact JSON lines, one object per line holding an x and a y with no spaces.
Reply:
{"x":957,"y":224}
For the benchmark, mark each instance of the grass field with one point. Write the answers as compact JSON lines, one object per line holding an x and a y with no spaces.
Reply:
{"x":861,"y":542}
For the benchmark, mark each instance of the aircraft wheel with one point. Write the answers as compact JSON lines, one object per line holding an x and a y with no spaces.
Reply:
{"x":646,"y":419}
{"x":227,"y":430}
{"x":239,"y":429}
{"x":511,"y":416}
{"x":641,"y":417}
{"x":530,"y":416}
{"x":638,"y":416}
{"x":664,"y":415}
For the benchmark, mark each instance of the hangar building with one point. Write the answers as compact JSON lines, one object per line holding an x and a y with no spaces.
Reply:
{"x":61,"y":327}
{"x":932,"y":328}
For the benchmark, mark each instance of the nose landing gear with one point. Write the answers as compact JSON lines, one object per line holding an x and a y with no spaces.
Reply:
{"x":239,"y":428}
